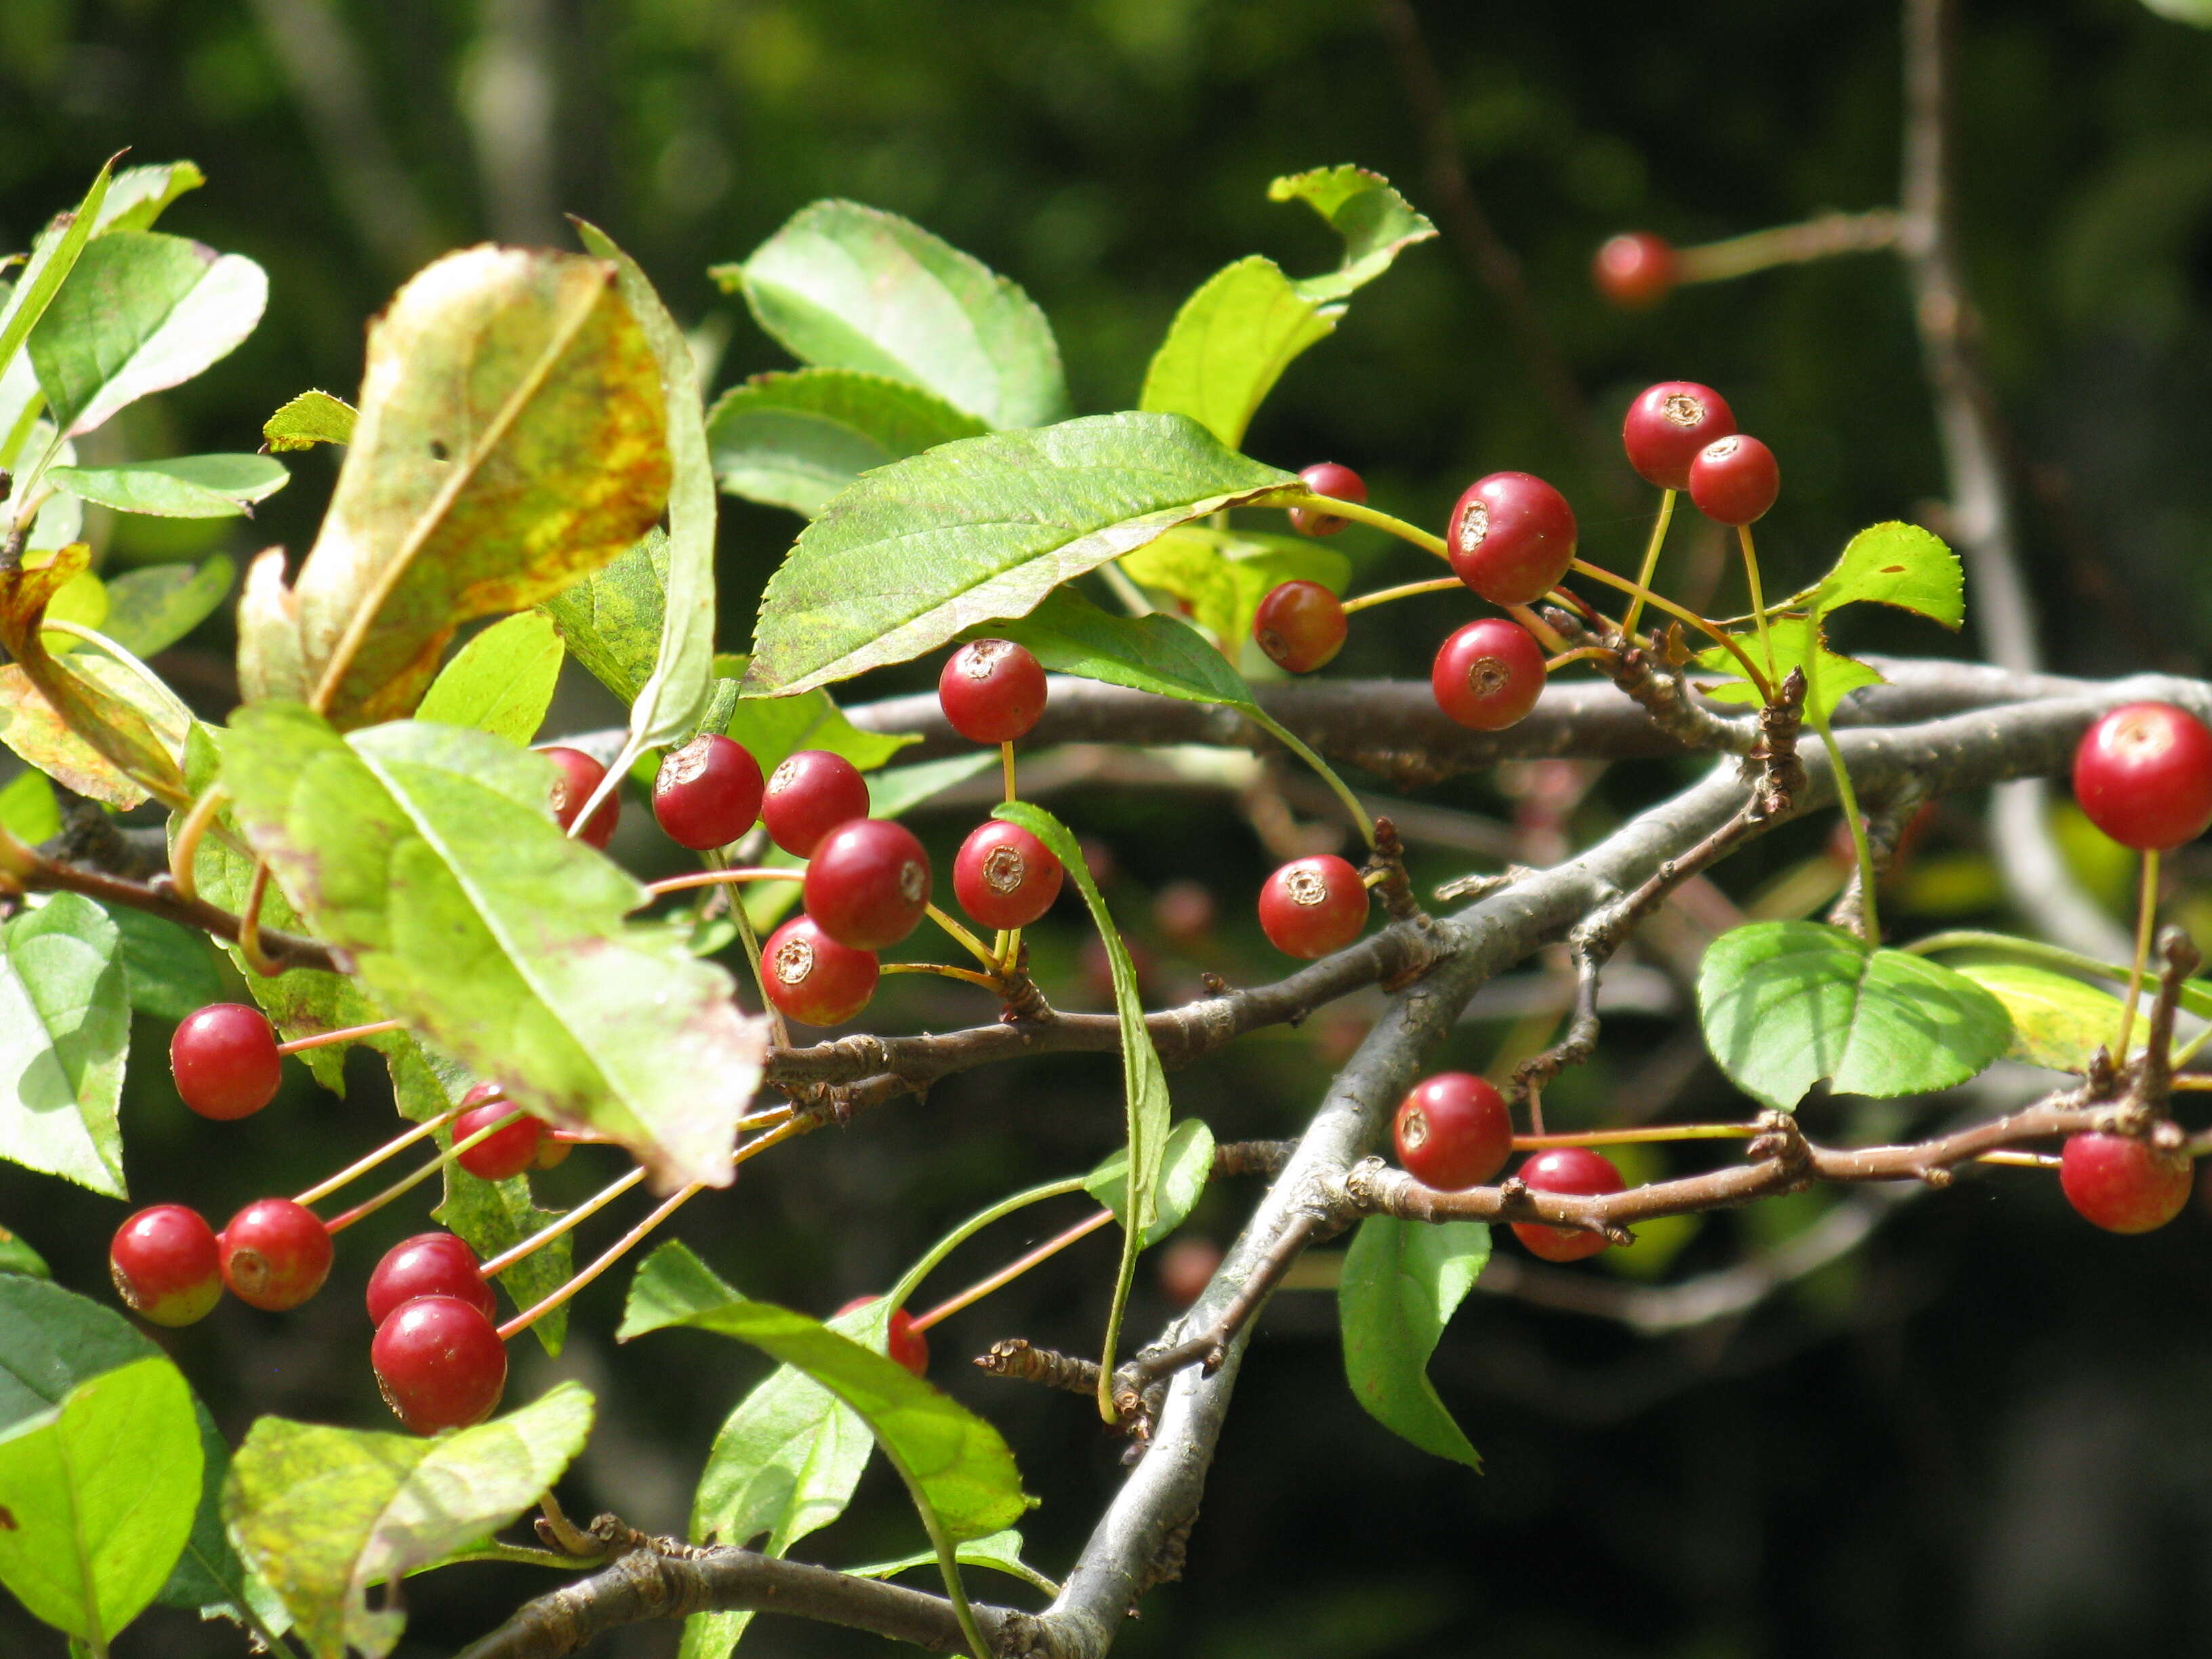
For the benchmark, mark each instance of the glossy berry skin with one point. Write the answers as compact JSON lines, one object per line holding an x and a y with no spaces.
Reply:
{"x":225,"y":1061}
{"x":1313,"y":906}
{"x":908,"y":1345}
{"x":503,"y":1153}
{"x":1453,"y":1131}
{"x":167,"y":1265}
{"x":275,"y":1255}
{"x":1635,"y":269}
{"x":1668,"y":425}
{"x":1300,"y":625}
{"x":2144,"y":773}
{"x":429,"y":1264}
{"x":439,"y":1364}
{"x":867,"y":883}
{"x":809,"y":793}
{"x":708,"y":793}
{"x":1511,"y":538}
{"x":578,"y":774}
{"x":1004,"y":876}
{"x":1338,"y":483}
{"x":812,"y":978}
{"x":1735,"y":479}
{"x":1489,"y":674}
{"x":1574,"y":1170}
{"x":992,"y":691}
{"x":2122,"y":1182}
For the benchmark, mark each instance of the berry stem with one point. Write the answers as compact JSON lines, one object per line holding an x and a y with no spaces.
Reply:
{"x":1750,"y":669}
{"x":1580,"y":654}
{"x":975,"y":947}
{"x":2146,"y":919}
{"x":1006,"y":766}
{"x":545,"y":1235}
{"x":1403,"y":591}
{"x":2021,"y":1160}
{"x":1367,"y":515}
{"x":184,"y":851}
{"x":1639,"y":1137}
{"x":363,"y":1166}
{"x":249,"y":924}
{"x":1546,"y":635}
{"x":1869,"y":923}
{"x":1013,"y":1270}
{"x":1758,"y":599}
{"x":1131,"y":596}
{"x":943,"y":971}
{"x":719,"y":877}
{"x":901,"y":1291}
{"x":400,"y":1189}
{"x":1274,"y":728}
{"x":322,"y":1039}
{"x":1650,"y":565}
{"x":1821,"y":237}
{"x":778,"y":1032}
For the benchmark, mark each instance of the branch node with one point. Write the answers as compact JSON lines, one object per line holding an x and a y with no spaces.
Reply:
{"x":1016,"y":1357}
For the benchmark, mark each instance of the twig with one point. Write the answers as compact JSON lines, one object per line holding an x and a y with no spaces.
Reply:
{"x":1016,"y":1359}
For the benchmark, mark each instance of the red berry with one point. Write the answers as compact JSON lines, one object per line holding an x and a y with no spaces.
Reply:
{"x":2122,"y":1182}
{"x":1574,"y":1170}
{"x":503,"y":1153}
{"x":1005,"y":877}
{"x":809,"y":793}
{"x":275,"y":1255}
{"x":1183,"y":910}
{"x":1300,"y":625}
{"x":1636,"y":270}
{"x":552,"y":1152}
{"x":166,"y":1265}
{"x":439,"y":1364}
{"x":708,"y":793}
{"x":2144,"y":773}
{"x":1187,"y":1267}
{"x":992,"y":691}
{"x":1489,"y":674}
{"x":814,"y":979}
{"x":429,"y":1264}
{"x":1668,"y":425}
{"x":1453,"y":1131}
{"x":577,"y":776}
{"x":1313,"y":906}
{"x":1511,"y":538}
{"x":225,"y":1061}
{"x":1735,"y":479}
{"x":867,"y":883}
{"x":908,"y":1345}
{"x":1338,"y":483}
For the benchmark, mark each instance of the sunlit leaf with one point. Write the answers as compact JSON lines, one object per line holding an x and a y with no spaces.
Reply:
{"x":500,"y":682}
{"x":2058,"y":1021}
{"x":64,"y":1028}
{"x":311,"y":418}
{"x":1002,"y":1551}
{"x":140,"y":194}
{"x":28,"y":809}
{"x":151,"y":608}
{"x":612,"y":620}
{"x":1838,"y":676}
{"x":53,"y":255}
{"x":1900,"y":565}
{"x":771,"y":727}
{"x":1401,"y":1281}
{"x":1376,"y":222}
{"x":187,"y":487}
{"x":1186,"y":1166}
{"x":1223,"y":575}
{"x":795,"y":440}
{"x":1229,"y":345}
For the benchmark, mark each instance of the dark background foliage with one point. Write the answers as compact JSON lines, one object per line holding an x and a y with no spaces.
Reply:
{"x":1983,"y":1434}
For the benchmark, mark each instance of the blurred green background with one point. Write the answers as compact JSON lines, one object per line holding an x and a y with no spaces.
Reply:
{"x":1981,"y":1433}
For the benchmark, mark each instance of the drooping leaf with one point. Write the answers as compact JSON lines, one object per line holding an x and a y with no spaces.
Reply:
{"x":53,"y":255}
{"x":1900,"y":565}
{"x":1788,"y":1004}
{"x":311,"y":418}
{"x":2058,"y":1021}
{"x":494,"y":1216}
{"x":843,"y":286}
{"x":1401,"y":1281}
{"x":500,"y":682}
{"x":64,"y":1028}
{"x":1838,"y":676}
{"x":1376,"y":222}
{"x":1158,"y":653}
{"x":28,"y":809}
{"x":612,"y":620}
{"x":1186,"y":1166}
{"x":168,"y":970}
{"x":1002,"y":1551}
{"x":323,"y":1514}
{"x":1229,"y":345}
{"x":796,"y":439}
{"x":982,"y":529}
{"x":150,"y":609}
{"x":187,"y":487}
{"x":1223,"y":575}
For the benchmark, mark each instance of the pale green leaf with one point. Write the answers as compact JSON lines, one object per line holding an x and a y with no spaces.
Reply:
{"x":2195,"y":12}
{"x":501,"y":681}
{"x":2058,"y":1021}
{"x":1401,"y":1281}
{"x":1223,"y":575}
{"x":311,"y":418}
{"x":1838,"y":676}
{"x":1002,"y":1551}
{"x":795,"y":440}
{"x":151,"y":608}
{"x":187,"y":487}
{"x":140,"y":194}
{"x":1229,"y":345}
{"x":1186,"y":1166}
{"x":772,"y":727}
{"x":1900,"y":565}
{"x":28,"y":809}
{"x":612,"y":620}
{"x":1376,"y":222}
{"x":53,"y":255}
{"x":65,"y":1028}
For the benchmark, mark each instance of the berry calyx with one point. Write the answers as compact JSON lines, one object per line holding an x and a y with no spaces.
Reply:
{"x":1313,"y":906}
{"x":275,"y":1255}
{"x":1338,"y":483}
{"x":225,"y":1061}
{"x":814,"y":979}
{"x":503,"y":1153}
{"x":429,"y":1264}
{"x":708,"y":793}
{"x":2144,"y":773}
{"x":167,"y":1265}
{"x":867,"y":883}
{"x":1735,"y":479}
{"x":809,"y":793}
{"x":2122,"y":1182}
{"x":1636,"y":270}
{"x":908,"y":1345}
{"x":577,"y":776}
{"x":992,"y":691}
{"x":1300,"y":625}
{"x":1453,"y":1131}
{"x":1489,"y":674}
{"x":439,"y":1364}
{"x":1668,"y":425}
{"x":1575,"y":1169}
{"x":1004,"y":876}
{"x":1511,"y":538}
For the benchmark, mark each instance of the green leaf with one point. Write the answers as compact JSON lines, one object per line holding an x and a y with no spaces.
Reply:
{"x":796,"y":439}
{"x":52,"y":1340}
{"x":1788,"y":1004}
{"x":2058,"y":1021}
{"x":1158,"y":653}
{"x":187,"y":487}
{"x":843,"y":286}
{"x":170,"y":971}
{"x":1186,"y":1166}
{"x":1223,"y":575}
{"x":99,"y":1496}
{"x":1900,"y":565}
{"x":208,"y":1576}
{"x":1229,"y":345}
{"x":322,"y":1514}
{"x":1376,"y":222}
{"x":139,"y":194}
{"x":2195,"y":12}
{"x":1002,"y":1551}
{"x":141,"y":312}
{"x":501,"y":681}
{"x":1401,"y":1281}
{"x":429,"y":854}
{"x":28,"y":808}
{"x":494,"y":1216}
{"x":984,"y":528}
{"x":150,"y":609}
{"x":772,"y":727}
{"x":65,"y":1027}
{"x":18,"y":1257}
{"x":612,"y":620}
{"x":53,"y":256}
{"x":311,"y":418}
{"x":1837,"y":678}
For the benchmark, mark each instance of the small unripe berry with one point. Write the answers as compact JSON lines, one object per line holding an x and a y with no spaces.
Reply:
{"x":1338,"y":483}
{"x":1511,"y":538}
{"x":1313,"y":906}
{"x":2144,"y":773}
{"x":708,"y":793}
{"x":167,"y":1265}
{"x":908,"y":1345}
{"x":1577,"y":1170}
{"x":1668,"y":425}
{"x":225,"y":1061}
{"x":1735,"y":479}
{"x":1005,"y":877}
{"x":1187,"y":1267}
{"x":503,"y":1153}
{"x":275,"y":1255}
{"x":1636,"y":270}
{"x":1453,"y":1131}
{"x":429,"y":1264}
{"x":1489,"y":674}
{"x":2122,"y":1182}
{"x":439,"y":1364}
{"x":812,"y":978}
{"x":1300,"y":625}
{"x":577,"y":776}
{"x":809,"y":793}
{"x":992,"y":691}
